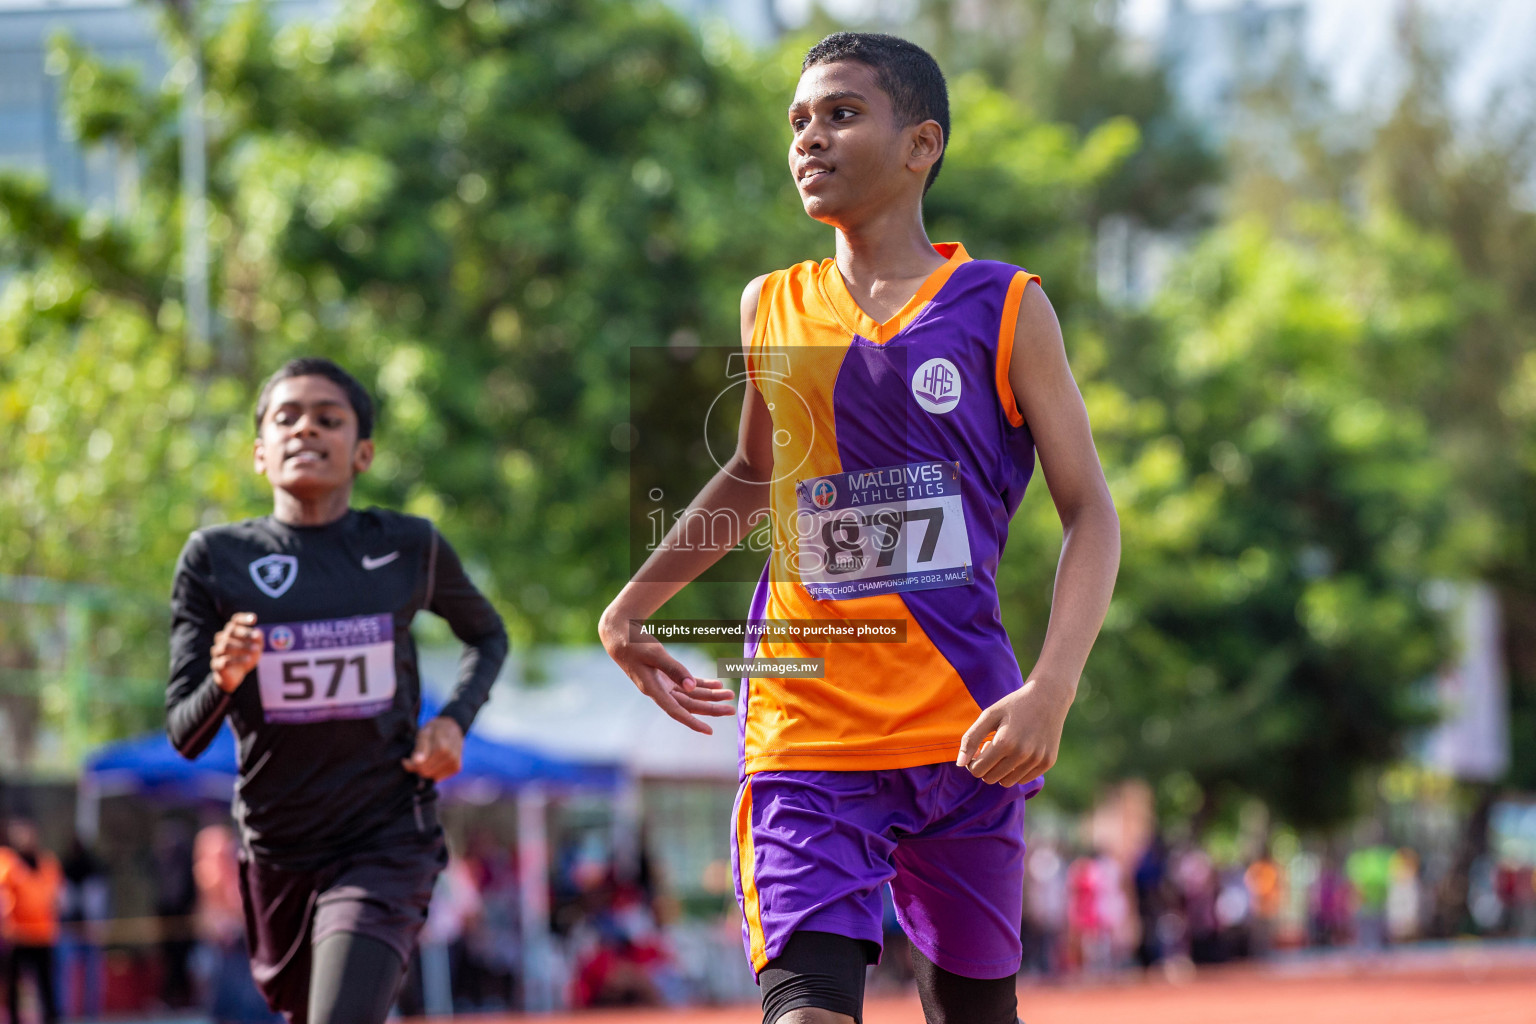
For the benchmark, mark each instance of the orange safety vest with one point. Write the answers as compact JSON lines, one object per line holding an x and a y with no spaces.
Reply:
{"x":29,"y":899}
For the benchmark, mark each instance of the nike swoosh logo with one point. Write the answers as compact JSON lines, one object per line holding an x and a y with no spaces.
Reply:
{"x":374,"y":563}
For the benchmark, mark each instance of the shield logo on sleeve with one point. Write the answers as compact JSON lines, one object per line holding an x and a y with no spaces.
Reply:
{"x":274,"y":574}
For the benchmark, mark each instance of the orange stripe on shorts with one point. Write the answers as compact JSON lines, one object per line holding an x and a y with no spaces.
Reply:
{"x":748,"y":861}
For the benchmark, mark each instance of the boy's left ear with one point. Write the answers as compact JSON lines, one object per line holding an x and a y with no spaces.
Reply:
{"x":362,"y":456}
{"x":927,"y":145}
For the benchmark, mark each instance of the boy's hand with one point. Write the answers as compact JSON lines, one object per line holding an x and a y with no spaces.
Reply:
{"x":439,"y":750}
{"x":236,"y":650}
{"x":662,"y":677}
{"x":1027,"y":726}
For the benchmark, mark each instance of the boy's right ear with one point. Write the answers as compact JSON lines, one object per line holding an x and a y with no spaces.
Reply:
{"x":258,"y":457}
{"x":927,"y":146}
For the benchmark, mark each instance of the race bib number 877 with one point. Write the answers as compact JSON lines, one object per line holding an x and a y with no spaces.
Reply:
{"x":877,"y":531}
{"x":327,"y":669}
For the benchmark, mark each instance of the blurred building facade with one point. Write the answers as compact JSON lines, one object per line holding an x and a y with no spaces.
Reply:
{"x":33,"y":135}
{"x":1216,"y":57}
{"x":756,"y":21}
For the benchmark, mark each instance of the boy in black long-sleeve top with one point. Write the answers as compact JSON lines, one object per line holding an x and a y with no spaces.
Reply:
{"x":296,"y":626}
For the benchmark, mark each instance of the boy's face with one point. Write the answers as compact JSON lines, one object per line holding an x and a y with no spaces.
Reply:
{"x":848,"y":156}
{"x":308,"y":444}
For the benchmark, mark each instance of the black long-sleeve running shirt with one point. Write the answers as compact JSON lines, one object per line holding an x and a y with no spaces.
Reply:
{"x":324,"y":721}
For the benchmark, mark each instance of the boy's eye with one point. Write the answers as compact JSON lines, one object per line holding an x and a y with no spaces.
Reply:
{"x":798,"y":123}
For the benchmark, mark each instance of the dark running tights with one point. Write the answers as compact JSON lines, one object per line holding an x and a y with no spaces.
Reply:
{"x":952,"y":999}
{"x":353,"y":980}
{"x":826,"y":971}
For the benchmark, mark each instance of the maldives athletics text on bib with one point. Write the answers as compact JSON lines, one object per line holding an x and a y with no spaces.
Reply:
{"x":877,"y":531}
{"x":327,"y":669}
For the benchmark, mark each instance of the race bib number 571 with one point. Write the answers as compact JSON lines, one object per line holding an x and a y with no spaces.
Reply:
{"x":327,"y":669}
{"x":876,"y":531}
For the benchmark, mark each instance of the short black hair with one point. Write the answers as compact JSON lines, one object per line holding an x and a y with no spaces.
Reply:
{"x":906,"y":72}
{"x":314,"y":366}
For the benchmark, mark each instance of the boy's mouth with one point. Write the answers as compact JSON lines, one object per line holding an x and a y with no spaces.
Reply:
{"x":305,"y":457}
{"x":811,"y":172}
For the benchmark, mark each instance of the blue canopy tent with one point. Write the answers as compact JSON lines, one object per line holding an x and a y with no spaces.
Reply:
{"x":149,"y":766}
{"x":493,"y":769}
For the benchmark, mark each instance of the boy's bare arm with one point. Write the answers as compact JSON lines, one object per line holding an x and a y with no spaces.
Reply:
{"x":739,"y":493}
{"x":1027,"y":724}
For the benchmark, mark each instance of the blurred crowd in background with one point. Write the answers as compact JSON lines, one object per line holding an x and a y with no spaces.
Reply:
{"x":619,"y":937}
{"x":1177,"y":906}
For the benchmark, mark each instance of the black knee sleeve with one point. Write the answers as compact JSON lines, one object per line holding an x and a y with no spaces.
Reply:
{"x":950,"y":998}
{"x":817,"y":970}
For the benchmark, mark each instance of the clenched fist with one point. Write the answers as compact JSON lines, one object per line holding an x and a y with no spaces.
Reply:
{"x":236,"y":650}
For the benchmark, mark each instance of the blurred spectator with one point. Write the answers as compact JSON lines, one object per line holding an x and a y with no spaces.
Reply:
{"x":1152,"y":902}
{"x":439,"y":957}
{"x":612,"y":927}
{"x":1234,"y":910}
{"x":1522,"y":894}
{"x":1097,"y":912}
{"x":1369,"y":871}
{"x":175,"y":902}
{"x":1329,"y":908}
{"x":629,"y":965}
{"x":30,"y":885}
{"x":1266,"y":895}
{"x":493,"y":941}
{"x":1198,"y":888}
{"x":232,"y":996}
{"x":1045,"y":910}
{"x":1115,"y":909}
{"x":1512,"y":886}
{"x":1405,"y":903}
{"x":86,"y":903}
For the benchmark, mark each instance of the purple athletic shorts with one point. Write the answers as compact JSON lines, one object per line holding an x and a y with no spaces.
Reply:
{"x":812,"y":849}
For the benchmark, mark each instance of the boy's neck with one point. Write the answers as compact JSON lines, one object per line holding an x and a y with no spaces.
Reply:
{"x":884,"y":261}
{"x":292,"y":510}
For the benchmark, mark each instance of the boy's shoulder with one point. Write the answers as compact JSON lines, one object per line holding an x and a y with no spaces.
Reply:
{"x":799,"y":273}
{"x":374,"y":519}
{"x":992,"y":268}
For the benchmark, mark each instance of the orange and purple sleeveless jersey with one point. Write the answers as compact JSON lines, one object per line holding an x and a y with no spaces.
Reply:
{"x":900,"y":457}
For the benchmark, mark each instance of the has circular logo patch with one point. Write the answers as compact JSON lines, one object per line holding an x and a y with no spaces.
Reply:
{"x":936,"y":385}
{"x":281,"y":638}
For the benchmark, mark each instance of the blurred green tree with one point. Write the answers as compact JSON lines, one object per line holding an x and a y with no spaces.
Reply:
{"x":1282,"y":518}
{"x":1456,"y":186}
{"x":1459,"y":185}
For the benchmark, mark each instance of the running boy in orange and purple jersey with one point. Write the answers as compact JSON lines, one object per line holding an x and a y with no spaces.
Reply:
{"x":902,"y":392}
